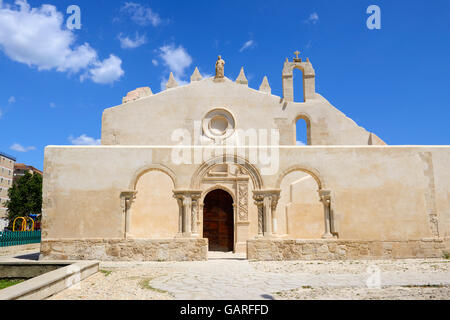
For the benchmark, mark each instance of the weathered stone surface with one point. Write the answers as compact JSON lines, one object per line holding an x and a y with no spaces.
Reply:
{"x":126,"y":250}
{"x":279,"y":249}
{"x":137,"y":94}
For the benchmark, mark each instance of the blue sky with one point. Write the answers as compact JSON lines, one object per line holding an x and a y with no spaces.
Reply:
{"x":55,"y":82}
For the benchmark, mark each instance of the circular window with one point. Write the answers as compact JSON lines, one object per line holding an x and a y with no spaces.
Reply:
{"x":218,"y":123}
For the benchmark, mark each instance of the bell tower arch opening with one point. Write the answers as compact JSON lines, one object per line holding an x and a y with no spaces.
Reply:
{"x":298,"y":85}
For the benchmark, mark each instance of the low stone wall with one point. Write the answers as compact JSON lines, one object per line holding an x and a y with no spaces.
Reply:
{"x":126,"y":250}
{"x":282,"y":249}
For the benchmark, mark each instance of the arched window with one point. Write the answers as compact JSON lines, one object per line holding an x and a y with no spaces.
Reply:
{"x":299,"y":93}
{"x":302,"y":131}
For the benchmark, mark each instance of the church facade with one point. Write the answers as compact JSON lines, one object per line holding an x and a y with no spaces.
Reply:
{"x":215,"y":165}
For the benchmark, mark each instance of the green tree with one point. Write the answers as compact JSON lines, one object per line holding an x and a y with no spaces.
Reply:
{"x":25,"y":197}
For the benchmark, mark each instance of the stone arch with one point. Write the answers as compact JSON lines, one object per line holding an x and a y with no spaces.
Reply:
{"x":218,"y":187}
{"x":252,"y":171}
{"x":307,"y":119}
{"x":308,"y":79}
{"x":313,"y":172}
{"x":159,"y":167}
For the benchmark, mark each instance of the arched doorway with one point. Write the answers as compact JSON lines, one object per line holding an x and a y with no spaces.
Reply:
{"x":218,"y":220}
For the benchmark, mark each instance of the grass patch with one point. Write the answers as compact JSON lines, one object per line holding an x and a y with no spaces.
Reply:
{"x":145,"y":284}
{"x":446,"y":255}
{"x":105,"y":272}
{"x":8,"y":282}
{"x":306,"y":287}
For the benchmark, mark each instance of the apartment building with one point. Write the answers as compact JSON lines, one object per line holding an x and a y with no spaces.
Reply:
{"x":20,"y":169}
{"x":7,"y":163}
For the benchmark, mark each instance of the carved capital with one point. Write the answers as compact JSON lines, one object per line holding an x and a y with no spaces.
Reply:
{"x":325,"y":196}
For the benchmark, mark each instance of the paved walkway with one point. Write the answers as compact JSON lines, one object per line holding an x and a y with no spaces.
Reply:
{"x":230,"y":276}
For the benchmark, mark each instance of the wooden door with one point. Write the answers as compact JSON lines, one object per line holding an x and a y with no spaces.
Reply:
{"x":218,"y":224}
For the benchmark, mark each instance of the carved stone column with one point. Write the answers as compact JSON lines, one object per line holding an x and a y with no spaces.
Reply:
{"x":187,"y":215}
{"x":188,"y":212}
{"x":325,"y":198}
{"x":180,"y":215}
{"x":273,"y":206}
{"x":260,"y":205}
{"x":195,"y":212}
{"x":266,"y":201}
{"x":126,"y":199}
{"x":267,"y":216}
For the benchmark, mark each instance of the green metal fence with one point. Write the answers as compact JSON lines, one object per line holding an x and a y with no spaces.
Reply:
{"x":8,"y":238}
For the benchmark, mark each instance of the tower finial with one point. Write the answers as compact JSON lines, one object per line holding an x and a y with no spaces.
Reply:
{"x":297,"y":59}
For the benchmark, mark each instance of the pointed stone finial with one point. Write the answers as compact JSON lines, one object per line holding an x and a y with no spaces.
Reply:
{"x":196,"y":76}
{"x":171,"y":83}
{"x":265,"y":87}
{"x":241,"y":79}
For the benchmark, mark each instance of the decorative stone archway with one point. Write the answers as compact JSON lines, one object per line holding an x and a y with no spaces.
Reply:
{"x":231,"y":174}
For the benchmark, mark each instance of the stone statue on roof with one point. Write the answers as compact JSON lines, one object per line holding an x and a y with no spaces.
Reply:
{"x":220,"y":68}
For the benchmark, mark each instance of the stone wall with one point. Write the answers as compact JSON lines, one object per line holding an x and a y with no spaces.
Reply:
{"x":275,"y":249}
{"x":126,"y":250}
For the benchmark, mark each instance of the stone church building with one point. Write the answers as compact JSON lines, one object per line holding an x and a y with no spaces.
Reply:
{"x":214,"y":165}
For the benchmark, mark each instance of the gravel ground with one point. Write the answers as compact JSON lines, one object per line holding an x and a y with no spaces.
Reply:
{"x":229,"y":276}
{"x":131,"y":283}
{"x":352,"y":293}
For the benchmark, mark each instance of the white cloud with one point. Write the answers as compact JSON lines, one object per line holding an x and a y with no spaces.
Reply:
{"x":140,"y":14}
{"x":301,"y":143}
{"x":84,"y":140}
{"x":176,"y":59}
{"x":248,"y":45}
{"x":107,"y":71}
{"x":12,"y":99}
{"x":37,"y":37}
{"x":206,"y":75}
{"x":313,"y":18}
{"x":128,"y":43}
{"x":19,"y":148}
{"x":155,"y":62}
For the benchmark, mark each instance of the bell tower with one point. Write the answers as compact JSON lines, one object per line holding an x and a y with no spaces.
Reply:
{"x":309,"y":82}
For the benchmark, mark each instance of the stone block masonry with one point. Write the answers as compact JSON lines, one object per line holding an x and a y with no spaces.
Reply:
{"x":125,"y":250}
{"x":282,"y":249}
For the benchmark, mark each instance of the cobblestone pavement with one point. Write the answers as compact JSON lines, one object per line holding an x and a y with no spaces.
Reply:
{"x":229,"y":276}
